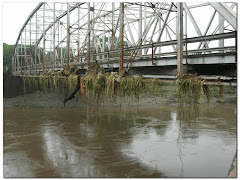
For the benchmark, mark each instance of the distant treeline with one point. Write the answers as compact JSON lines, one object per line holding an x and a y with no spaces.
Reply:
{"x":7,"y":57}
{"x":8,"y":51}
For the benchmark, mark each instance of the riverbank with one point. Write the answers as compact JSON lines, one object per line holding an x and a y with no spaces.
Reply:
{"x":233,"y":169}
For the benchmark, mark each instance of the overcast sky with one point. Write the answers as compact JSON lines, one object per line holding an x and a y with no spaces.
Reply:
{"x":14,"y":15}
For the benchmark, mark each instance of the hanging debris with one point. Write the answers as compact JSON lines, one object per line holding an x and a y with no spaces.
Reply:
{"x":76,"y":89}
{"x":97,"y":85}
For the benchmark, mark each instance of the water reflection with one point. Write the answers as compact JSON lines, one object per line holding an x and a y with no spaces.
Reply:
{"x":170,"y":152}
{"x":17,"y":164}
{"x":136,"y":142}
{"x":66,"y":158}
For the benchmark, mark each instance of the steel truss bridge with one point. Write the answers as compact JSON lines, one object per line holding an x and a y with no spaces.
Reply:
{"x":57,"y":35}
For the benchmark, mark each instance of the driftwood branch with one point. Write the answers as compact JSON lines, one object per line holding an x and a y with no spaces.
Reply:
{"x":72,"y":94}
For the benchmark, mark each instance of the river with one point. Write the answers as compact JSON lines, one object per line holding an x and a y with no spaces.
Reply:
{"x":119,"y":142}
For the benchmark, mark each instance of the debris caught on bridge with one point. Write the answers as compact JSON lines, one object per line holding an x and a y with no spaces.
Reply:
{"x":96,"y":86}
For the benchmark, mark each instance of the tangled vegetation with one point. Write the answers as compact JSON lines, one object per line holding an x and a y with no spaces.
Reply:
{"x":97,"y":85}
{"x":190,"y":89}
{"x":190,"y":92}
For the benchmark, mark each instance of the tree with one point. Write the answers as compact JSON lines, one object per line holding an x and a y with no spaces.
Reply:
{"x":7,"y":57}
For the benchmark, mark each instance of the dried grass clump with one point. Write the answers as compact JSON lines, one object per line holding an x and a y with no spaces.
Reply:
{"x":72,"y":81}
{"x":131,"y":87}
{"x":190,"y":89}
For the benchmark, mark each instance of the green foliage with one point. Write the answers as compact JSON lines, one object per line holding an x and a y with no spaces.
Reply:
{"x":7,"y":57}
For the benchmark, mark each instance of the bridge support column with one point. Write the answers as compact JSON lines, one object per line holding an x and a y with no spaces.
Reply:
{"x":30,"y":47}
{"x":103,"y":38}
{"x":179,"y":39}
{"x":35,"y":52}
{"x":93,"y":32}
{"x":144,"y":25}
{"x":61,"y":45}
{"x":25,"y":51}
{"x":221,"y":30}
{"x":121,"y":15}
{"x":44,"y":39}
{"x":54,"y":35}
{"x":113,"y":23}
{"x":21,"y":63}
{"x":89,"y":32}
{"x":140,"y":26}
{"x":159,"y":27}
{"x":78,"y":36}
{"x":68,"y":36}
{"x":58,"y":58}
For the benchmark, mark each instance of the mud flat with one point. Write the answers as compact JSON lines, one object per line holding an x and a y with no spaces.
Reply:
{"x":167,"y":96}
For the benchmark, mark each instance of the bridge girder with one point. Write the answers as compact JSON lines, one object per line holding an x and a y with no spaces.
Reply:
{"x":226,"y":12}
{"x":52,"y":27}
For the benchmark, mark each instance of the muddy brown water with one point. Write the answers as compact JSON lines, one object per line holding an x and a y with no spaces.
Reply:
{"x":114,"y":142}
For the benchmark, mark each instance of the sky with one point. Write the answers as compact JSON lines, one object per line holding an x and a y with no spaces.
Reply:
{"x":14,"y":15}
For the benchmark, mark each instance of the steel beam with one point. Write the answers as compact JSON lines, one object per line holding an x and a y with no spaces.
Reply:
{"x":164,"y":24}
{"x":58,"y":19}
{"x":194,"y":22}
{"x":129,"y":29}
{"x":88,"y":36}
{"x":78,"y":35}
{"x":61,"y":45}
{"x":93,"y":35}
{"x":221,"y":30}
{"x":113,"y":25}
{"x":30,"y":47}
{"x":159,"y":26}
{"x":208,"y":26}
{"x":140,"y":25}
{"x":103,"y":37}
{"x":68,"y":36}
{"x":226,"y":12}
{"x":27,"y":20}
{"x":154,"y":28}
{"x":189,"y":40}
{"x":58,"y":56}
{"x":179,"y":39}
{"x":25,"y":49}
{"x":121,"y":56}
{"x":21,"y":64}
{"x":54,"y":36}
{"x":36,"y":47}
{"x":44,"y":38}
{"x":145,"y":24}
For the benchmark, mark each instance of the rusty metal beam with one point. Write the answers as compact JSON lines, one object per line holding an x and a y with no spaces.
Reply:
{"x":88,"y":37}
{"x":121,"y":38}
{"x":179,"y":39}
{"x":68,"y":36}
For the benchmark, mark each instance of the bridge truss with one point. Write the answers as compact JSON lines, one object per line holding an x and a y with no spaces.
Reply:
{"x":57,"y":35}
